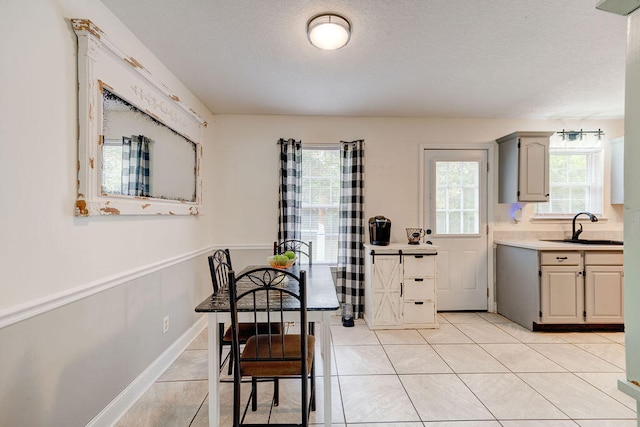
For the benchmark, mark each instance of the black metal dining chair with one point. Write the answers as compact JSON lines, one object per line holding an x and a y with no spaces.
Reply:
{"x":266,"y":294}
{"x":297,"y":246}
{"x":220,"y":266}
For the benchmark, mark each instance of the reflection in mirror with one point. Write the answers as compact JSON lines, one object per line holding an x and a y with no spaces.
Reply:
{"x":143,"y":157}
{"x":126,"y":166}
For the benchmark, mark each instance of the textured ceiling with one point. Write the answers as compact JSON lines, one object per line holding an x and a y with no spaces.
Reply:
{"x":406,"y":58}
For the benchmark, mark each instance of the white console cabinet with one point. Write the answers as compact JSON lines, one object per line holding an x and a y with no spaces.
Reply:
{"x":400,"y":286}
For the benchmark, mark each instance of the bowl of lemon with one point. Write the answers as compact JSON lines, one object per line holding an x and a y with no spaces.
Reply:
{"x":282,"y":261}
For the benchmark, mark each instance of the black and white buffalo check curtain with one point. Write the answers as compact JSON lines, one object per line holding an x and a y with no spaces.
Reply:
{"x":290,"y":190}
{"x":350,"y":277}
{"x":135,"y":166}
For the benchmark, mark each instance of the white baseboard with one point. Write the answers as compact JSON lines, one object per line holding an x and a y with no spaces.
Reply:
{"x":130,"y":395}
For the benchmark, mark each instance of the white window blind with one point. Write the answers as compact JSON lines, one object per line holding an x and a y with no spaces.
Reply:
{"x":321,"y":201}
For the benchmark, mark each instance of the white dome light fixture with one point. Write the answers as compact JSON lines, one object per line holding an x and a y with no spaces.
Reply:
{"x":328,"y":31}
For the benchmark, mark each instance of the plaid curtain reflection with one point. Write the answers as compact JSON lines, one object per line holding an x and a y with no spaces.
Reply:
{"x":135,"y":165}
{"x":350,"y":272}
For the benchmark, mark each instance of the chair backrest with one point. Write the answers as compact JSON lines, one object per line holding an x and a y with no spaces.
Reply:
{"x":296,"y":246}
{"x":266,"y":294}
{"x":220,"y":266}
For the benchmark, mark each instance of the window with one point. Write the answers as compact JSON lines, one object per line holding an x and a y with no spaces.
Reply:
{"x":457,"y":197}
{"x":112,"y":166}
{"x":320,"y":206}
{"x":575,"y":175}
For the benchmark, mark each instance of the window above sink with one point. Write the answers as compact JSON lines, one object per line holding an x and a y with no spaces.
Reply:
{"x":575,"y":175}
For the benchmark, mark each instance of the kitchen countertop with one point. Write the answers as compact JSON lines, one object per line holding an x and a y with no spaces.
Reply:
{"x":404,"y":247}
{"x":541,"y":245}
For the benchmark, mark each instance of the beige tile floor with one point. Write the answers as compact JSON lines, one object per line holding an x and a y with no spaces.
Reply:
{"x":476,"y":370}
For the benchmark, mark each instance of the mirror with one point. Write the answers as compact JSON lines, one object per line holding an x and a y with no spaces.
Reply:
{"x":138,"y":146}
{"x":143,"y":157}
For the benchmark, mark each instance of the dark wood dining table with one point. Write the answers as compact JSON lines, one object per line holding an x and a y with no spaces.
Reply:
{"x":322,"y":302}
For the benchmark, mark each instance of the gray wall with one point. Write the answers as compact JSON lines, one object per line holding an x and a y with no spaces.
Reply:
{"x":63,"y":367}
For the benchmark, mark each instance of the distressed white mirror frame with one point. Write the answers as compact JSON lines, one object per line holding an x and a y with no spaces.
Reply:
{"x":102,"y":65}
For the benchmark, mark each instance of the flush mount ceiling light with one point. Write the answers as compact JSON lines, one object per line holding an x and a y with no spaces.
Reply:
{"x":328,"y":31}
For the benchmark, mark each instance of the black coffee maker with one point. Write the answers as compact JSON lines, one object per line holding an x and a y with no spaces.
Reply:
{"x":379,"y":230}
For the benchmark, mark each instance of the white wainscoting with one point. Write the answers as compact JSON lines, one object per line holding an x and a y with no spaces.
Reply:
{"x":38,"y":306}
{"x":32,"y":308}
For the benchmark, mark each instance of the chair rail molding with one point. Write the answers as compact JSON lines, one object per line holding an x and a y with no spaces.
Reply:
{"x":33,"y":308}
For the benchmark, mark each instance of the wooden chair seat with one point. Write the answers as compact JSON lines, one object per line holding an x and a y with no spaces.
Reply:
{"x":273,"y":366}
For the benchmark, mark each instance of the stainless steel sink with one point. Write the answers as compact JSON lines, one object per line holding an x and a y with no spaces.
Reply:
{"x":589,"y":242}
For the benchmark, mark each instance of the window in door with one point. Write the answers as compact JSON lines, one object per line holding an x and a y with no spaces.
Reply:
{"x":575,"y":175}
{"x":457,"y":197}
{"x":320,"y":205}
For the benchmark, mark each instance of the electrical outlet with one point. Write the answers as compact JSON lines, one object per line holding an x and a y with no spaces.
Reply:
{"x":165,"y":324}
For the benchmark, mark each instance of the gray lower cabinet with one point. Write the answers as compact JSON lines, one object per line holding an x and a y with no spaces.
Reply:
{"x":545,"y":289}
{"x":604,"y":287}
{"x":561,"y":287}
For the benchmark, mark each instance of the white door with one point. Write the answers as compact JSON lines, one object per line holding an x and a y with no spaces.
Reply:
{"x":456,"y":221}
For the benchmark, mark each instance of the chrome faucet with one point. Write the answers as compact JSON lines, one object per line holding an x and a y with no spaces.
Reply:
{"x":575,"y":234}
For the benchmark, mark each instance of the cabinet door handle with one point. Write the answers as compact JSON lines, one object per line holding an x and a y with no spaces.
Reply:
{"x":561,"y":258}
{"x":419,"y":256}
{"x":418,"y":279}
{"x":419,"y":302}
{"x":401,"y":286}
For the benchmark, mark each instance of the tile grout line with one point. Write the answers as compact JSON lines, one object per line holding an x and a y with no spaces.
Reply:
{"x":510,"y":371}
{"x":427,"y":343}
{"x":199,"y":409}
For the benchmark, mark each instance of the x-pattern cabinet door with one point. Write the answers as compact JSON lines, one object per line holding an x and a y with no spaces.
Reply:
{"x":387,"y":290}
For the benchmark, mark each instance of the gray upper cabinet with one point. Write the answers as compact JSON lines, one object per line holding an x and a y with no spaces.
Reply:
{"x":617,"y":171}
{"x":523,"y":167}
